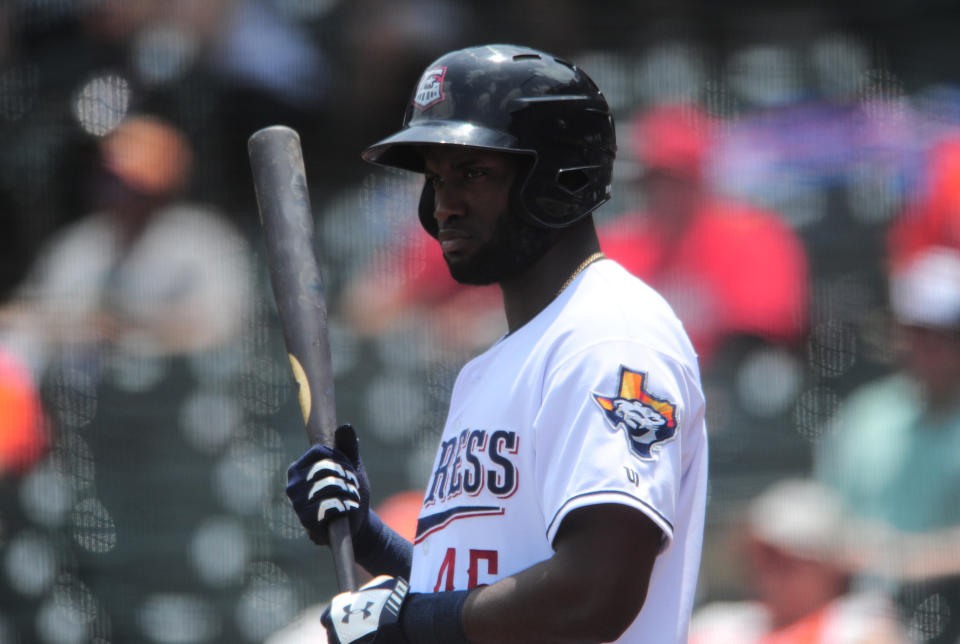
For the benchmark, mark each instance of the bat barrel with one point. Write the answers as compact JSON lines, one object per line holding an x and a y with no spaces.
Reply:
{"x":280,"y":181}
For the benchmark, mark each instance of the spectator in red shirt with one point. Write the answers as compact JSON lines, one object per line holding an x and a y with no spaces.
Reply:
{"x":933,"y":218}
{"x":729,"y":269}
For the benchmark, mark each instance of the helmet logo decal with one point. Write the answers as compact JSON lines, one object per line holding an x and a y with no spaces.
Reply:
{"x":430,"y":89}
{"x":647,"y":421}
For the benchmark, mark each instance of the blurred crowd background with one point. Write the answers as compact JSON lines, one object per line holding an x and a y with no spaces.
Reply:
{"x":788,"y":176}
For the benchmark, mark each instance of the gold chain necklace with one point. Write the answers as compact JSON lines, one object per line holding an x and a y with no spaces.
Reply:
{"x":593,"y":258}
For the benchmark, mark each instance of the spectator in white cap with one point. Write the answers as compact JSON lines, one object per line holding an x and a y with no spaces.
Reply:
{"x":925,"y":299}
{"x":795,"y":553}
{"x":894,"y":450}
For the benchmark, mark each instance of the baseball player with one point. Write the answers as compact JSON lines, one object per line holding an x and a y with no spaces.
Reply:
{"x":566,"y":502}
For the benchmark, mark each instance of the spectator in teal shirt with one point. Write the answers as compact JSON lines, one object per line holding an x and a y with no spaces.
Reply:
{"x":893,"y":453}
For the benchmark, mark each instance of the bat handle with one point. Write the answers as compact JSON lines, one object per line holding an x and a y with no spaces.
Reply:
{"x":341,"y":544}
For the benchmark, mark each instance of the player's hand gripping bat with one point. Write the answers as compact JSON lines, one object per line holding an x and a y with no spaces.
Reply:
{"x":280,"y":181}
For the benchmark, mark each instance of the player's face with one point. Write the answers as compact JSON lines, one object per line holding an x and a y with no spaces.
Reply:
{"x":483,"y":241}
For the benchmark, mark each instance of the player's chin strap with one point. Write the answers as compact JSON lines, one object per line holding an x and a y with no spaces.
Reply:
{"x":384,"y":612}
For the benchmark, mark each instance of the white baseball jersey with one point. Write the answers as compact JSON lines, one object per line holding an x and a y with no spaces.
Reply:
{"x":595,"y":400}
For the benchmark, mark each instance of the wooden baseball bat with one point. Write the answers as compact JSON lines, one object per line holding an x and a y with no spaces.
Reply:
{"x":280,"y":181}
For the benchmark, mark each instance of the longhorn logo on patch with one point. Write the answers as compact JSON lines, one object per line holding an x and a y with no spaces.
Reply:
{"x":430,"y":89}
{"x":646,"y":420}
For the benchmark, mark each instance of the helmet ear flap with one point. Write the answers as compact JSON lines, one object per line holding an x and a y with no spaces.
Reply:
{"x":568,"y":195}
{"x":425,"y":209}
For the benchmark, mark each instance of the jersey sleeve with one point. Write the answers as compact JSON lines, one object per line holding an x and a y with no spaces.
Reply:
{"x":609,"y":431}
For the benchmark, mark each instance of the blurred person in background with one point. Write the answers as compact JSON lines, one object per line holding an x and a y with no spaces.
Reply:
{"x":731,"y":270}
{"x":795,"y":550}
{"x":893,"y":452}
{"x":147,"y":270}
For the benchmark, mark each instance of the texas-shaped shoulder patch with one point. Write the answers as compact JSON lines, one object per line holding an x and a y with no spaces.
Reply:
{"x":646,"y":420}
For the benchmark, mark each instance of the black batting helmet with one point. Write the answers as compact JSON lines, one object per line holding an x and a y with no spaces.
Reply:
{"x":518,"y":100}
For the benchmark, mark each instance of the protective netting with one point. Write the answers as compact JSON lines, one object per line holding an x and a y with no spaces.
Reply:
{"x":148,"y":413}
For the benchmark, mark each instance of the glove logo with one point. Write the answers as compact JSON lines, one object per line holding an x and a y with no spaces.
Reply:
{"x":348,"y":611}
{"x":430,"y":89}
{"x":646,"y":420}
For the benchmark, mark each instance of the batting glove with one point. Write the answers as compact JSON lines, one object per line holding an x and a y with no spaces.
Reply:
{"x":371,"y":614}
{"x":327,"y":482}
{"x":384,"y":612}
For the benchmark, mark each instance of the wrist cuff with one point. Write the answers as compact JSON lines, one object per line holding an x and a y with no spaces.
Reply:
{"x":434,"y":618}
{"x":379,"y":549}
